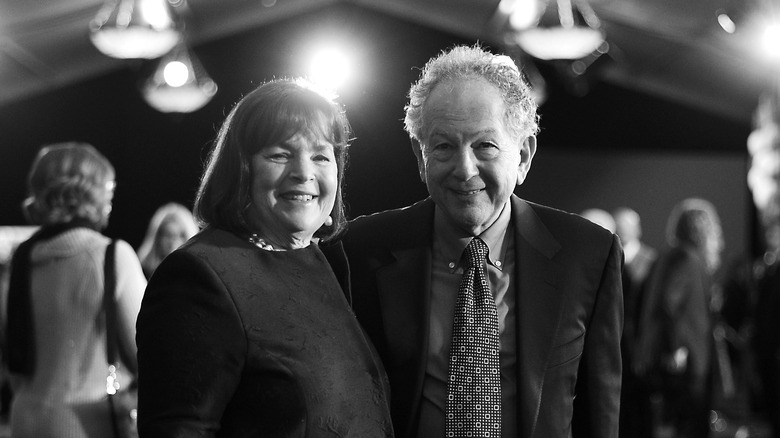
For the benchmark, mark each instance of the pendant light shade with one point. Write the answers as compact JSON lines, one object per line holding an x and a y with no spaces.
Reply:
{"x":129,"y":29}
{"x":179,"y":84}
{"x":566,"y":29}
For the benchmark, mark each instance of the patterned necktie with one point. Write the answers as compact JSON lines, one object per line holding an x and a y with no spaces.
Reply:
{"x":474,"y":382}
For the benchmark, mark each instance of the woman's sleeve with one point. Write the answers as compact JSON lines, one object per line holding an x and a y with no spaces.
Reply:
{"x":130,"y":285}
{"x":191,"y":350}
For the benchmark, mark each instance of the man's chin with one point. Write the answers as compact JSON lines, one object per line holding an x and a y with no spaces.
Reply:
{"x":469,"y":223}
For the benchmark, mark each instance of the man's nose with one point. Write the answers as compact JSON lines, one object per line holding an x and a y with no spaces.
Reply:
{"x":465,"y":164}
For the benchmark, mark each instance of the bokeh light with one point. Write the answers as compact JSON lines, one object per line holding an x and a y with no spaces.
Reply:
{"x":770,"y":39}
{"x":329,"y":68}
{"x":176,"y":74}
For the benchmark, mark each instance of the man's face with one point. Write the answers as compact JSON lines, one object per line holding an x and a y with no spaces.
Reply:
{"x":469,"y":160}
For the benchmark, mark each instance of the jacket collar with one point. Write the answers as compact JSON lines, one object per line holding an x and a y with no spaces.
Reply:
{"x":406,"y":311}
{"x":538,"y":307}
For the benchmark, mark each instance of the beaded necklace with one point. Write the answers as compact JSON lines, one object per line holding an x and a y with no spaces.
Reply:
{"x":262,"y":244}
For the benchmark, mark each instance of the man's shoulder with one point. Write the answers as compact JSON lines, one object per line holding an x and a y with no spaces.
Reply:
{"x":417,"y":214}
{"x":548,"y":228}
{"x":555,"y":218}
{"x":395,"y":228}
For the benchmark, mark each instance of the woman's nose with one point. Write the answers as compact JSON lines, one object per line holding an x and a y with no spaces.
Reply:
{"x":302,"y":169}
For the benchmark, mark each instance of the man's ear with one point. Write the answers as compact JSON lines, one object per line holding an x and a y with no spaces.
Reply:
{"x":417,"y":149}
{"x":527,"y":151}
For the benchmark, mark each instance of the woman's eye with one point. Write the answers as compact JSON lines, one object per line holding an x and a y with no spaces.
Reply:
{"x":278,"y":156}
{"x":322,"y":158}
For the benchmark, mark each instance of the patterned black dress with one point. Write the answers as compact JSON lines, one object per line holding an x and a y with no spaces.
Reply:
{"x":236,"y":341}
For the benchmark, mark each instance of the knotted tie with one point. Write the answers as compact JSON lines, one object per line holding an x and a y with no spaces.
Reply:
{"x":474,"y":383}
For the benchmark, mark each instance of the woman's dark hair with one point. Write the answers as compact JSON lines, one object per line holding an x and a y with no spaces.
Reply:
{"x":272,"y":113}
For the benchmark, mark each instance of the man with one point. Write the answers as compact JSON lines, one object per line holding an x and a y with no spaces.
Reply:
{"x":554,"y":277}
{"x":635,"y":413}
{"x":639,"y":256}
{"x":638,"y":259}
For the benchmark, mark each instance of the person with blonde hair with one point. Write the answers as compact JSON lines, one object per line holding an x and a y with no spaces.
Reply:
{"x":171,"y":225}
{"x":56,"y":324}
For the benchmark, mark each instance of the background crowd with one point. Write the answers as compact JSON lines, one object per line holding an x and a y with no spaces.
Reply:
{"x":700,"y":352}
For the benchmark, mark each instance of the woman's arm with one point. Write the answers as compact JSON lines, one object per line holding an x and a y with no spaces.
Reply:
{"x":130,"y":285}
{"x":191,"y":350}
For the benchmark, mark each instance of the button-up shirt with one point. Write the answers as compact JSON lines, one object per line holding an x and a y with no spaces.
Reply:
{"x":447,"y":270}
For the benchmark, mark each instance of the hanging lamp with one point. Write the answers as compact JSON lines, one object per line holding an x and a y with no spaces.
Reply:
{"x":179,"y":83}
{"x":565,"y":29}
{"x":129,"y":29}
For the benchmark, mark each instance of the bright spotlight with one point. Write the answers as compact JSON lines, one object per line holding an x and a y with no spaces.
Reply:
{"x":176,"y":74}
{"x":329,"y":69}
{"x":155,"y":13}
{"x":770,"y":38}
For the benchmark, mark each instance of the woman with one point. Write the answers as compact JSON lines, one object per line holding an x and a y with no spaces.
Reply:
{"x":675,"y":345}
{"x":245,"y":331}
{"x":56,"y":325}
{"x":170,"y":226}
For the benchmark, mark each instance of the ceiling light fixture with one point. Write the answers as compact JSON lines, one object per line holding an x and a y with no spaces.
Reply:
{"x":725,"y":21}
{"x":565,"y":29}
{"x":734,"y":13}
{"x":179,"y":83}
{"x":130,"y":29}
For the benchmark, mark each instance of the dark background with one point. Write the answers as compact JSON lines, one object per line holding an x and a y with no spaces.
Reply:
{"x":606,"y":148}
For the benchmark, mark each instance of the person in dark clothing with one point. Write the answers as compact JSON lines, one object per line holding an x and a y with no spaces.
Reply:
{"x":245,"y":330}
{"x":675,"y":344}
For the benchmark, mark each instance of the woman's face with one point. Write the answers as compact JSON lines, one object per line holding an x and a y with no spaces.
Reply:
{"x":294,"y":186}
{"x":107,"y":200}
{"x":171,"y":235}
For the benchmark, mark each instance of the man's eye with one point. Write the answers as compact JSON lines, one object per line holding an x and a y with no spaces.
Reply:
{"x":441,"y":147}
{"x":487,"y":150}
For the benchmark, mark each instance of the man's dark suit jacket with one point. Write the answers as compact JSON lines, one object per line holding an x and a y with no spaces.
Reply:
{"x":569,"y":314}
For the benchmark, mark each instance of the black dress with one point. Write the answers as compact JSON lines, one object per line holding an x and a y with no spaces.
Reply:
{"x":236,"y":341}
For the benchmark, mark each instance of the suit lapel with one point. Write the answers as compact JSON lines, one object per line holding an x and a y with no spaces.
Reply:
{"x":538,"y":309}
{"x":404,"y":301}
{"x":404,"y":283}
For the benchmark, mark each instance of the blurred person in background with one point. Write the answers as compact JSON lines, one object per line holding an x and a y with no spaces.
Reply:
{"x":675,"y":345}
{"x":10,"y":238}
{"x":635,"y":420}
{"x":56,"y":328}
{"x":171,"y":225}
{"x":600,"y":217}
{"x":766,"y":339}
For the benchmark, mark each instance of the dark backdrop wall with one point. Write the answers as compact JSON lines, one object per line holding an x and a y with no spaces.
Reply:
{"x":607,"y":148}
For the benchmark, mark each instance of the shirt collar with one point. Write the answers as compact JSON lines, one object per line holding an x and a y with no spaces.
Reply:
{"x":451,"y":241}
